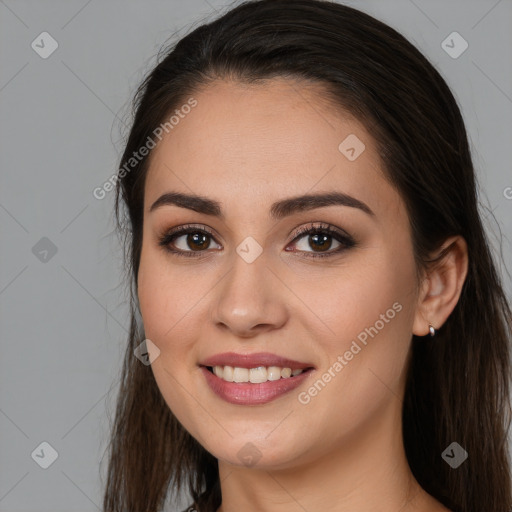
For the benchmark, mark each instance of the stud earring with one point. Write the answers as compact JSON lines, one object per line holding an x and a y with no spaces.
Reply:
{"x":431,"y":330}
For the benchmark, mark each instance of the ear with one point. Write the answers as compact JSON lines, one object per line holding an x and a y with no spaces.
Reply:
{"x":440,"y":289}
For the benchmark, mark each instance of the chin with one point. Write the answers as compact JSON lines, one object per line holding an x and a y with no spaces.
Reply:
{"x":264,"y":455}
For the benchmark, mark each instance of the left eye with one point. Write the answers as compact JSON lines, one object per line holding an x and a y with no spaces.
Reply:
{"x":321,"y":238}
{"x":318,"y":240}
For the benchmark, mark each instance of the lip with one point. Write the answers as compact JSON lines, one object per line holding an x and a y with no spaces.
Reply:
{"x":247,"y":393}
{"x":254,"y":360}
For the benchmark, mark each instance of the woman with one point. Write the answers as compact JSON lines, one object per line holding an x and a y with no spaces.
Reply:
{"x":322,"y":323}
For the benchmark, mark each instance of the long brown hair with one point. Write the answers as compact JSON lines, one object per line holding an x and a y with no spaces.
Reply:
{"x":458,"y":382}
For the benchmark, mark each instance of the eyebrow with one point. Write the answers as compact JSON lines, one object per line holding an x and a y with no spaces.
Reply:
{"x":278,"y":210}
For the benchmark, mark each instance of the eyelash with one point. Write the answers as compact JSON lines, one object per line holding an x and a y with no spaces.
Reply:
{"x":344,"y":239}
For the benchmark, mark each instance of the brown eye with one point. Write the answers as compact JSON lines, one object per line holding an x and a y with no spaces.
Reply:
{"x":313,"y":241}
{"x":320,"y":241}
{"x":316,"y":241}
{"x":186,"y":240}
{"x":196,"y":241}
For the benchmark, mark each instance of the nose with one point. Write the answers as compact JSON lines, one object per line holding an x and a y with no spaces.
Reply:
{"x":250,"y":299}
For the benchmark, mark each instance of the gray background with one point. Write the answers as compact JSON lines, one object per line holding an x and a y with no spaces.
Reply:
{"x":64,"y":321}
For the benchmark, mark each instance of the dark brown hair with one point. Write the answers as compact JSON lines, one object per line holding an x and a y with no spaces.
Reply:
{"x":458,"y":382}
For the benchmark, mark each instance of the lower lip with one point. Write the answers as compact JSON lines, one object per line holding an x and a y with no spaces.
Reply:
{"x":247,"y":393}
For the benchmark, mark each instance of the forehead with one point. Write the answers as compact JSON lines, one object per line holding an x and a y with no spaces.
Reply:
{"x":243,"y":144}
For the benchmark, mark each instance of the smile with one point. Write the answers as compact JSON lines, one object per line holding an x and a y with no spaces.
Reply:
{"x":253,"y":386}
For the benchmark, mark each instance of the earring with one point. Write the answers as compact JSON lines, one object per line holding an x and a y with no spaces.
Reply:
{"x":431,"y":330}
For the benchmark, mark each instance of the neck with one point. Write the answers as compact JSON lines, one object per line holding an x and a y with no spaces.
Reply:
{"x":367,"y":471}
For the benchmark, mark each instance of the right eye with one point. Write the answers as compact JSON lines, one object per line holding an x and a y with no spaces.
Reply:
{"x":195,"y":240}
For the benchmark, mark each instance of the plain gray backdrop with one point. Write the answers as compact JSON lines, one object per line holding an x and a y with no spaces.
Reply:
{"x":63,"y":307}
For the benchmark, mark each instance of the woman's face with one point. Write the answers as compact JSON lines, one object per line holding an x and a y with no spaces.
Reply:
{"x":253,"y":283}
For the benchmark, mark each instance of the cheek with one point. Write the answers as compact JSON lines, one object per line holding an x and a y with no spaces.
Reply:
{"x":172,"y":299}
{"x":366,"y":312}
{"x":369,"y":313}
{"x":167,"y":308}
{"x":347,"y":299}
{"x":162,"y":296}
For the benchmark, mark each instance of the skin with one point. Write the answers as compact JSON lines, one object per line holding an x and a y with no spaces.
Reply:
{"x":247,"y":146}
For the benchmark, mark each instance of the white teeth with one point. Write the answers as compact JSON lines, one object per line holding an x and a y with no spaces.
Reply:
{"x":274,"y":373}
{"x":226,"y":373}
{"x":240,"y":374}
{"x":254,"y":375}
{"x":258,"y":375}
{"x":286,"y":373}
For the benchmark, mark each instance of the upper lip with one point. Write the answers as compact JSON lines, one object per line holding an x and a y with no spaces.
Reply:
{"x":254,"y":360}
